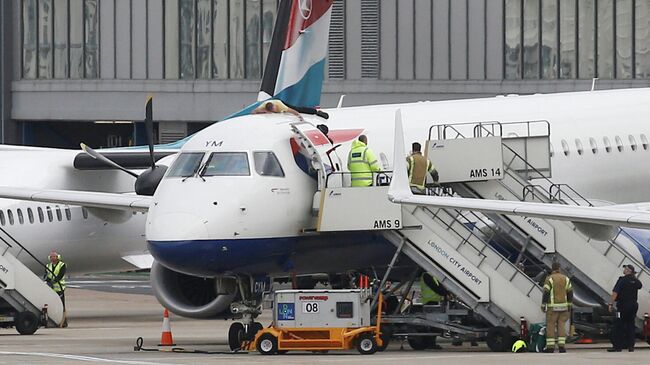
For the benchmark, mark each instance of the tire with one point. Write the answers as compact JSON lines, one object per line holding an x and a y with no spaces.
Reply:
{"x":420,"y":343}
{"x":366,"y":344}
{"x":267,"y":344}
{"x":253,"y":328}
{"x":26,"y":323}
{"x":385,"y":339}
{"x":236,"y":334}
{"x":499,"y":339}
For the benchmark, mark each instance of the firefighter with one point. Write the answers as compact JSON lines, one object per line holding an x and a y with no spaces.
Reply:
{"x":418,"y":167}
{"x":556,"y":302}
{"x":362,"y":163}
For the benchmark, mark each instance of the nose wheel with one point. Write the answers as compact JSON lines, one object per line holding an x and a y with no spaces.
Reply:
{"x":239,"y":332}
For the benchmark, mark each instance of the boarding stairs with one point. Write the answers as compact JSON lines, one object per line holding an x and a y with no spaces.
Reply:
{"x":23,"y":290}
{"x":439,"y":240}
{"x":596,"y":264}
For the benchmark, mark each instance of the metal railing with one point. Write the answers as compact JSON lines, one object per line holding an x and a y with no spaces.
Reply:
{"x":22,"y":248}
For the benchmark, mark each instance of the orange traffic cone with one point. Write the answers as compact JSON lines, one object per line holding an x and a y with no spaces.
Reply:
{"x":166,"y":338}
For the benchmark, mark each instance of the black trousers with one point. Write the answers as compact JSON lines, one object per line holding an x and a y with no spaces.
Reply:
{"x":62,"y":296}
{"x":624,"y":329}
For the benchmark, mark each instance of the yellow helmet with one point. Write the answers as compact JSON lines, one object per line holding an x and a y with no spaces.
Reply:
{"x":519,"y":346}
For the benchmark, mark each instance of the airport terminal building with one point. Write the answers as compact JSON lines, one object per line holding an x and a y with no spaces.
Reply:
{"x":79,"y":70}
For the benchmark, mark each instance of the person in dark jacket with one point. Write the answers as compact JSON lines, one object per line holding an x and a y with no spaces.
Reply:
{"x":625,"y":296}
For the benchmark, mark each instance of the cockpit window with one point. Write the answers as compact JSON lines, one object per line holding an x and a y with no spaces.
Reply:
{"x":186,"y":164}
{"x":267,"y":164}
{"x":227,"y":164}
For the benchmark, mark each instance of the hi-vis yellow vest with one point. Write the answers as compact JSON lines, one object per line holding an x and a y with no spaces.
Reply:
{"x":52,"y":272}
{"x":361,"y":164}
{"x":418,"y":166}
{"x":428,"y":294}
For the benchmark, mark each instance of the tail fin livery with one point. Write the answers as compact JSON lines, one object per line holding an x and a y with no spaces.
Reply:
{"x":295,"y":67}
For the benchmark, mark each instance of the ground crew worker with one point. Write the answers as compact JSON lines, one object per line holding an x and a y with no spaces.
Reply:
{"x":625,"y":295}
{"x":362,"y":162}
{"x":274,"y":106}
{"x":432,"y":293}
{"x":54,"y":277}
{"x":278,"y":106}
{"x":556,"y":302}
{"x":418,"y":167}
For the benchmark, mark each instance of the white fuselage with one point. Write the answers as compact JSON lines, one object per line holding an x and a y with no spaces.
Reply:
{"x":91,"y":240}
{"x":209,"y":216}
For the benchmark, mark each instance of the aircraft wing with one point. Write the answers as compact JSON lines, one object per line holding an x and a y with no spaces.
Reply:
{"x":114,"y":201}
{"x":617,"y":215}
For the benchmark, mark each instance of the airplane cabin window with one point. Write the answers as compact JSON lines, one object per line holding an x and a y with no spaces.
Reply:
{"x":644,"y":141}
{"x":227,"y":164}
{"x":565,"y":147}
{"x":50,"y":217}
{"x":2,"y":218}
{"x":594,"y":146}
{"x":632,"y":142}
{"x":59,"y":216}
{"x":41,"y":217}
{"x":579,"y":146}
{"x":10,"y":217}
{"x":84,"y":213}
{"x":608,"y":146}
{"x":30,"y":215}
{"x":267,"y":164}
{"x":21,"y":219}
{"x":619,"y":143}
{"x":186,"y":164}
{"x":68,"y":214}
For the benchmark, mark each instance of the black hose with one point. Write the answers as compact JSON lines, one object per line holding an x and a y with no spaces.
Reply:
{"x":139,"y":342}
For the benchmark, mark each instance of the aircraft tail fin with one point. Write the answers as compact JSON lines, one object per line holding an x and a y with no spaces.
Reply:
{"x":295,"y":67}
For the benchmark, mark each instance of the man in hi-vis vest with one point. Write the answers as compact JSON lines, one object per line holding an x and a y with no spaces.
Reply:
{"x":54,"y":276}
{"x":418,"y":167}
{"x":556,"y":302}
{"x":362,"y":163}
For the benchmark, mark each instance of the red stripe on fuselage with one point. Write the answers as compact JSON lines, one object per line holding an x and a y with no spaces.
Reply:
{"x":303,"y":14}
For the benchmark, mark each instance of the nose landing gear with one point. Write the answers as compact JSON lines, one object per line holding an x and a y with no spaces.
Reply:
{"x":249,"y":308}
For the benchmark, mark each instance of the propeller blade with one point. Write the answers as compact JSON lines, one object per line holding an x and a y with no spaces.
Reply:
{"x":96,"y":155}
{"x":148,"y":122}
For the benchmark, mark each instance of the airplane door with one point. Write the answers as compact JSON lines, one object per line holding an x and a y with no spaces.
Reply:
{"x":321,"y":153}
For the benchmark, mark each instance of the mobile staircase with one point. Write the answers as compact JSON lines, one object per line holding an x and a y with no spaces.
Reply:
{"x":26,"y":302}
{"x":590,"y":254}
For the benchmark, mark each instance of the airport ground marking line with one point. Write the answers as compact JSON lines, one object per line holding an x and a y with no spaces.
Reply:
{"x":83,"y":358}
{"x":415,"y":357}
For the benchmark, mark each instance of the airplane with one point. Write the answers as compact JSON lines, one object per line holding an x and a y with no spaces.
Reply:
{"x":117,"y":238}
{"x":235,"y":207}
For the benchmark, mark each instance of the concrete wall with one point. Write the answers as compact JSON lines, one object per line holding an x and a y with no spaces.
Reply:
{"x":429,"y":50}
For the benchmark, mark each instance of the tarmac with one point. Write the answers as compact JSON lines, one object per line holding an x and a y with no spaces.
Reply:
{"x":104,"y":326}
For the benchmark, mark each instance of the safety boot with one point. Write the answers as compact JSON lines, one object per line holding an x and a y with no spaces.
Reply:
{"x":562,"y":349}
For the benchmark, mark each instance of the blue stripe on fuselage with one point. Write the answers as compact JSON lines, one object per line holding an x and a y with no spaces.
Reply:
{"x":641,"y":238}
{"x":274,"y":256}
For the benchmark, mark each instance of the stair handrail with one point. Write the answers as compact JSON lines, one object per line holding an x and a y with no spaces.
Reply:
{"x":22,"y":247}
{"x":559,"y":199}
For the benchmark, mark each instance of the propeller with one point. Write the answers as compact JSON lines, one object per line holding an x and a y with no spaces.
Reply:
{"x":147,"y":182}
{"x":149,"y":179}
